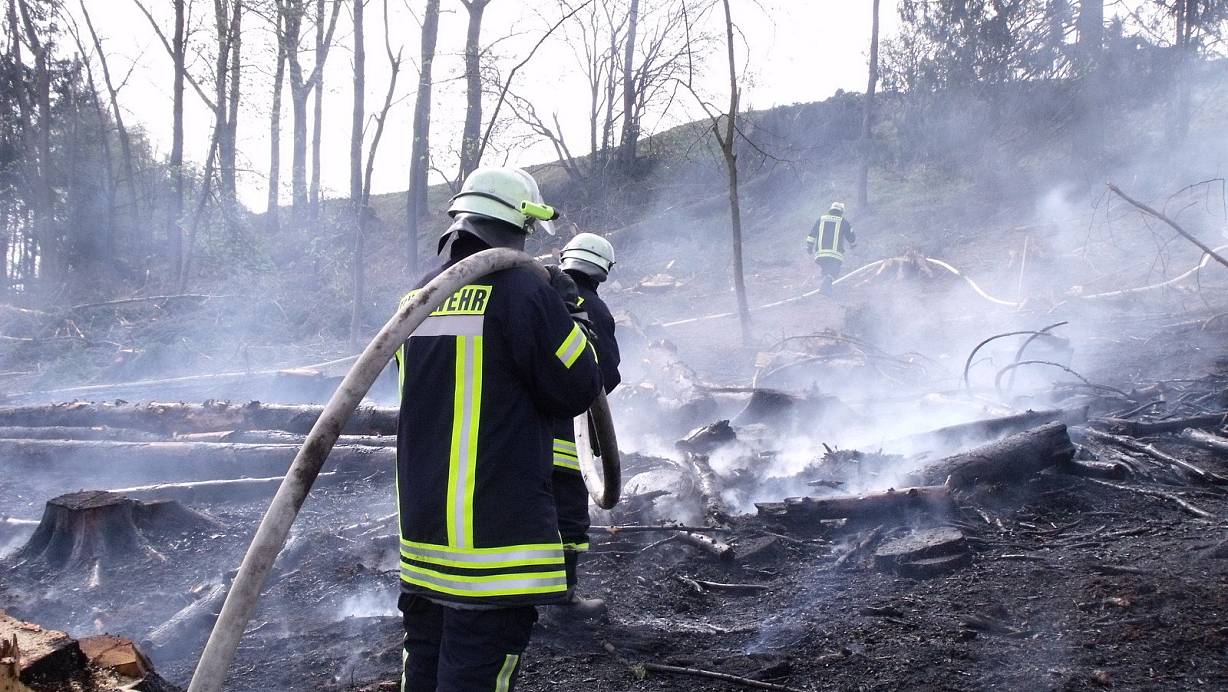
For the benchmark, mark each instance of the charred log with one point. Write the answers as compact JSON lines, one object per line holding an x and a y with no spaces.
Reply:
{"x":1206,"y":440}
{"x":993,"y":428}
{"x":174,"y":461}
{"x":1017,"y":456}
{"x":1140,"y":428}
{"x":932,"y":500}
{"x":170,"y":418}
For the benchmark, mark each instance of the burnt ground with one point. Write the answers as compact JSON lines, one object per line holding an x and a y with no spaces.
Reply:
{"x":1071,"y":584}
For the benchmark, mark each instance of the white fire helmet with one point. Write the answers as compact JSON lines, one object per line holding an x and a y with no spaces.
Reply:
{"x":590,"y":254}
{"x":838,"y":207}
{"x":507,"y":194}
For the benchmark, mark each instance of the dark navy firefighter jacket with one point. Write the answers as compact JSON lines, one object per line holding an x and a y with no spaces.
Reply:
{"x":565,"y":455}
{"x":482,"y":381}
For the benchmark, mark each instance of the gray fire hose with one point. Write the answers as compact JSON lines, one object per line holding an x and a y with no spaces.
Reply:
{"x":598,"y":449}
{"x":270,"y":538}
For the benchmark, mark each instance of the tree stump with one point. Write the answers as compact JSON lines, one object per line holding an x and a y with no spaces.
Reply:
{"x":95,"y":527}
{"x":923,"y":553}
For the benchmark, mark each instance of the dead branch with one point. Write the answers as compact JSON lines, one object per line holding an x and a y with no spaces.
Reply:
{"x":713,"y":675}
{"x":1186,"y":234}
{"x":1033,"y":333}
{"x":864,"y":545}
{"x":1133,"y":445}
{"x":615,"y":530}
{"x":1136,"y":428}
{"x":1202,"y":513}
{"x":1205,"y":440}
{"x":997,"y":381}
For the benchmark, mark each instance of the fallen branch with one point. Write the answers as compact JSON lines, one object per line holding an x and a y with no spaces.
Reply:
{"x":997,"y":380}
{"x":1186,"y":234}
{"x":1134,"y":445}
{"x":713,"y":675}
{"x":1160,"y":494}
{"x":864,"y":545}
{"x":1205,"y":440}
{"x":56,"y":432}
{"x":223,"y":490}
{"x":1138,"y":428}
{"x":615,"y":530}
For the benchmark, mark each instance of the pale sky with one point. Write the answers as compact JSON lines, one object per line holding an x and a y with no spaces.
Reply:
{"x":800,"y":51}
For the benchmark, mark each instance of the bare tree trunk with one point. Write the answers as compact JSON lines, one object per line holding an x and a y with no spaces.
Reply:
{"x":420,"y":151}
{"x":228,"y":18}
{"x":174,"y":228}
{"x":731,"y":165}
{"x":272,"y":214}
{"x":867,"y":117}
{"x":470,"y":158}
{"x":300,"y":89}
{"x":134,"y":211}
{"x":1090,"y":25}
{"x":317,"y":115}
{"x":356,"y":197}
{"x":49,"y":245}
{"x":630,"y":128}
{"x":232,"y":117}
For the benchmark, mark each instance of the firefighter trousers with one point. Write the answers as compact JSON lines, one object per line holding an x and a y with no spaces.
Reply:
{"x":571,"y":502}
{"x":459,"y":650}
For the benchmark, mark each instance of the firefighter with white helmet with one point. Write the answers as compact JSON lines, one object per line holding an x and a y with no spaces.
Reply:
{"x":483,"y":381}
{"x":827,"y":241}
{"x":587,"y":259}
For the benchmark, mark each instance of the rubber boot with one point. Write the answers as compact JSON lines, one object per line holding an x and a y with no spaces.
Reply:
{"x":577,"y":606}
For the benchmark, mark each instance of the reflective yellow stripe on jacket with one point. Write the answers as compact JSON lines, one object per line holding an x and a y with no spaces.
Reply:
{"x":565,"y":455}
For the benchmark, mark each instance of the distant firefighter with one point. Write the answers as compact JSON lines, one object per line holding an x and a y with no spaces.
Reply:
{"x":826,"y":243}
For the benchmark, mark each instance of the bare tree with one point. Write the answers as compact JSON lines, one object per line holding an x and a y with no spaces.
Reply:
{"x":356,"y":198}
{"x":322,"y":42}
{"x":228,"y":25}
{"x":364,"y":211}
{"x":117,"y":113}
{"x":174,"y":231}
{"x":469,"y":156}
{"x":867,"y":116}
{"x":272,"y":212}
{"x":420,"y":150}
{"x":301,"y":84}
{"x":49,"y":251}
{"x":630,"y":128}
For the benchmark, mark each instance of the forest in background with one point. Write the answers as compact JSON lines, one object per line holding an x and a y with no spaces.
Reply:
{"x":975,"y":107}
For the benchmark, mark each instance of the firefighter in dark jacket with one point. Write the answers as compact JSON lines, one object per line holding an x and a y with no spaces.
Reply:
{"x":587,"y":259}
{"x":483,"y":381}
{"x":826,"y":243}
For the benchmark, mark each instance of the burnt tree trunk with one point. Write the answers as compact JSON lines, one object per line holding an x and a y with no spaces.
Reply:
{"x":630,"y":133}
{"x":1011,"y":458}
